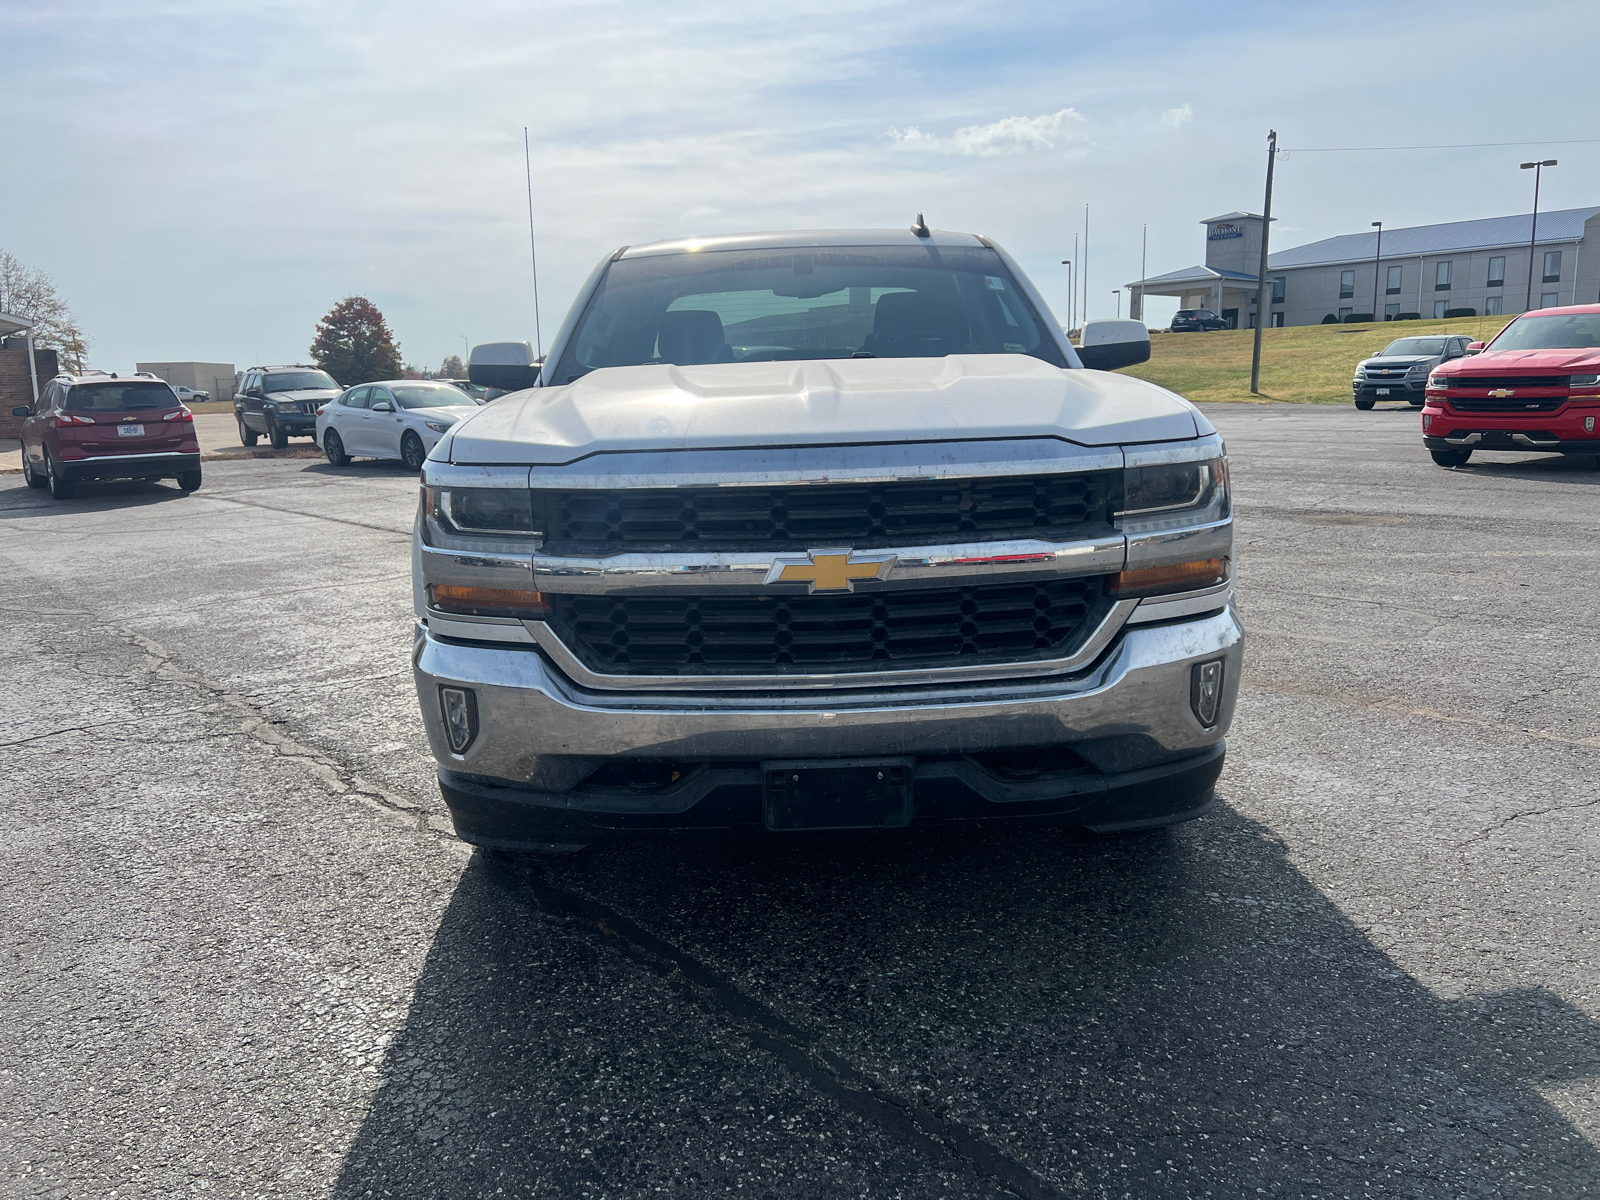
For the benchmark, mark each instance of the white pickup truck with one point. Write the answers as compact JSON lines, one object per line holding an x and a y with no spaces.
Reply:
{"x":827,"y":530}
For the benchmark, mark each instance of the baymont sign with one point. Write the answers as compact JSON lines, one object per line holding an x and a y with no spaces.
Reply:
{"x":1225,"y":230}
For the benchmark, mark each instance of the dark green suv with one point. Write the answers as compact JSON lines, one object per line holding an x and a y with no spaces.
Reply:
{"x":281,"y":402}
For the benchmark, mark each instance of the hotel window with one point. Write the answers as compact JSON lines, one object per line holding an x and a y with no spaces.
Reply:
{"x":1552,"y":266}
{"x":1441,"y":277}
{"x":1277,"y":290}
{"x":1491,"y":306}
{"x":1439,"y":306}
{"x":1497,"y":272}
{"x":1277,"y":320}
{"x":1392,"y":286}
{"x":1550,"y":300}
{"x":1345,"y":312}
{"x":1347,"y":285}
{"x":1391,"y":311}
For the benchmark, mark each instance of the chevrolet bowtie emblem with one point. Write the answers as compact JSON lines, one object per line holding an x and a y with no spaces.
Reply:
{"x":829,"y":570}
{"x":1502,"y":393}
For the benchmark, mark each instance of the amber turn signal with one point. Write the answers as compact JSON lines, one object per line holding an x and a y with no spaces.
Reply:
{"x":487,"y":602}
{"x":1181,"y":577}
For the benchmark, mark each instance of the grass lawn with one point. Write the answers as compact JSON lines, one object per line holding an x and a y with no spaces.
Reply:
{"x":213,"y":406}
{"x":1307,"y":364}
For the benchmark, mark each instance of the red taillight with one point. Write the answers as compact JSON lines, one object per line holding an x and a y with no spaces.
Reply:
{"x":61,"y":420}
{"x":183,"y":414}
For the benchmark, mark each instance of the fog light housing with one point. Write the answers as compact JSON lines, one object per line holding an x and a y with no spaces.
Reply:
{"x":1427,"y":420}
{"x":1588,"y":424}
{"x":459,"y":707}
{"x":1205,"y":691}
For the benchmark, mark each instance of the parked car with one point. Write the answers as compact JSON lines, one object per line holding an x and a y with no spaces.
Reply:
{"x":100,"y":426}
{"x":397,"y":418}
{"x":1195,"y":320}
{"x":191,"y":395}
{"x":1536,"y":386}
{"x":478,"y":393}
{"x":1400,"y":370}
{"x":816,"y":531}
{"x":281,"y":402}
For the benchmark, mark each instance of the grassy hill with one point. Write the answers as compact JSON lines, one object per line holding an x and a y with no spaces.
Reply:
{"x":1308,"y":364}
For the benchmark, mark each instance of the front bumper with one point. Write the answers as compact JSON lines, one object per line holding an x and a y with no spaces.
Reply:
{"x":1397,"y":389}
{"x":1146,"y":757}
{"x":129,"y":466}
{"x":1560,"y":432}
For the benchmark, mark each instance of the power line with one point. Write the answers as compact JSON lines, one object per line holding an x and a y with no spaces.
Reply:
{"x":1449,"y":146}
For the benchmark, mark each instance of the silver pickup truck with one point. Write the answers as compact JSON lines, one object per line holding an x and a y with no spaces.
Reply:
{"x":826,"y":530}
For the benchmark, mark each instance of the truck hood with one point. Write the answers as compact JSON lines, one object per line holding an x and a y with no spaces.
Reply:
{"x":1394,"y":362}
{"x":1557,"y":362}
{"x":869,"y":400}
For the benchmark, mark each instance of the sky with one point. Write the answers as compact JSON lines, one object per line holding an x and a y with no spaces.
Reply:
{"x":203,"y":181}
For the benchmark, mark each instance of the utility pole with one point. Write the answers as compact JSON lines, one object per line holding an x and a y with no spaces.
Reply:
{"x":1533,"y":238}
{"x":1377,"y":267}
{"x":1144,"y":250}
{"x":1117,"y":292}
{"x":1072,"y":317}
{"x":1263,"y":297}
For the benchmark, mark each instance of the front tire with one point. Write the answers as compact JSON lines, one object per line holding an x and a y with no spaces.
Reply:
{"x":412,"y":453}
{"x":1451,"y":458}
{"x":1365,"y":405}
{"x":189,"y":481}
{"x":61,"y":487}
{"x":247,"y":436}
{"x":279,"y":439}
{"x":333,"y":447}
{"x":29,"y":476}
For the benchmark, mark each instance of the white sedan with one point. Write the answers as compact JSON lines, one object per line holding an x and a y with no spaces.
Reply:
{"x":397,"y":418}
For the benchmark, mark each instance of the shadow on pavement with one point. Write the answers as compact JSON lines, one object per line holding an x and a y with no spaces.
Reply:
{"x":975,"y":1013}
{"x":22,"y":501}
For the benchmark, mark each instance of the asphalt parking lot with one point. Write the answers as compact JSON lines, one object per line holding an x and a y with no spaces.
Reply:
{"x":244,"y":957}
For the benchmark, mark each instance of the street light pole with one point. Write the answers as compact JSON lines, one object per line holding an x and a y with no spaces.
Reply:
{"x":1377,"y":268}
{"x":1071,"y":291}
{"x":1263,"y":297}
{"x":1117,"y":292}
{"x":1533,"y":237}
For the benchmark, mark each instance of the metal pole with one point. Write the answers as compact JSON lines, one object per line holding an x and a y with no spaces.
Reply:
{"x":1144,"y":252}
{"x":1085,"y":264}
{"x":1377,"y":269}
{"x":1072,"y":315}
{"x":527,"y":156}
{"x":1533,"y":237}
{"x":1117,"y":292}
{"x":1067,"y":263}
{"x":1263,"y":297}
{"x":33,"y":369}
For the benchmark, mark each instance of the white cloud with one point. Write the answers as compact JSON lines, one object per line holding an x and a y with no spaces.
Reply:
{"x":1010,"y":135}
{"x":702,"y":210}
{"x":1178,"y":117}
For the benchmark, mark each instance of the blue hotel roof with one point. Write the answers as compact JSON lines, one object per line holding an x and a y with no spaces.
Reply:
{"x":1558,"y":225}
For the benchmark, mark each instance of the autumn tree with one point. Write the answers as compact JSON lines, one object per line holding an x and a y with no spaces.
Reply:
{"x":451,"y":368}
{"x":27,"y":292}
{"x":354,"y":345}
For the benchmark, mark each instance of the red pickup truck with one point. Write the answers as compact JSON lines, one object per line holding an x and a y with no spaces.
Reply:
{"x":1536,"y":386}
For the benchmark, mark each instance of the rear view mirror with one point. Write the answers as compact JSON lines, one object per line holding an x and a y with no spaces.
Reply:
{"x":383,"y":406}
{"x":509,"y":366}
{"x":22,"y":412}
{"x":1108,"y":345}
{"x":1474,"y":347}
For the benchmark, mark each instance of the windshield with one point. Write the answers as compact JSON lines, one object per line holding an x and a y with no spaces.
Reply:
{"x":1433,"y":347}
{"x":430,"y":395}
{"x":1573,"y":331}
{"x":782,"y":305}
{"x":477,"y":393}
{"x":118,"y":397}
{"x":294,"y":383}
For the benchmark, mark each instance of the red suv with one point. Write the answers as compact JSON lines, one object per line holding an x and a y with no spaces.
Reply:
{"x":97,"y":426}
{"x":1535,"y":387}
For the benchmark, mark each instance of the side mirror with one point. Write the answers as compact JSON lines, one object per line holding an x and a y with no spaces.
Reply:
{"x":383,"y":406}
{"x":1108,"y":345}
{"x":24,"y":411}
{"x":509,"y":366}
{"x":1474,"y":347}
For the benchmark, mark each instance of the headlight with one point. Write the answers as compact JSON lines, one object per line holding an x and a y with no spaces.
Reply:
{"x":1439,"y":381}
{"x":438,"y":426}
{"x":1172,"y":495}
{"x":504,"y":511}
{"x":1584,"y":381}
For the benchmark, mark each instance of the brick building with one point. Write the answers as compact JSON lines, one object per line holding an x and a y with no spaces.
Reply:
{"x":19,"y":380}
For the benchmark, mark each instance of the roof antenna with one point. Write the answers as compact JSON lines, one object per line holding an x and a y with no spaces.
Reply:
{"x":920,"y":228}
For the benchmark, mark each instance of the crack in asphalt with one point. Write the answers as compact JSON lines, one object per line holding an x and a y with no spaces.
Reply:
{"x":315,"y":516}
{"x":801,"y":1052}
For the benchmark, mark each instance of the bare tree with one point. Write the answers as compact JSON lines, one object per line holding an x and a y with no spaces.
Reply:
{"x":27,"y":292}
{"x":451,"y":368}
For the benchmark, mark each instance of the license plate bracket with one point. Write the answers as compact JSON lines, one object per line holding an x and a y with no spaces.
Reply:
{"x":837,"y":793}
{"x":1380,"y":391}
{"x":130,"y":430}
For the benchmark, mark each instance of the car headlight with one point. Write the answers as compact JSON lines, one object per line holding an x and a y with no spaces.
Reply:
{"x":1439,"y":381}
{"x":1584,"y":381}
{"x":1173,"y":495}
{"x":469,"y":510}
{"x":438,"y":426}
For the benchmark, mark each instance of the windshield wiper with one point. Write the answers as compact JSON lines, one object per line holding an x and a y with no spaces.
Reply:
{"x":863,"y":354}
